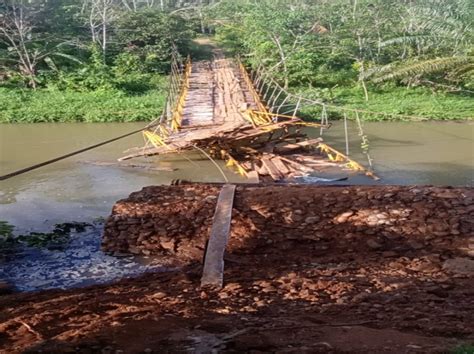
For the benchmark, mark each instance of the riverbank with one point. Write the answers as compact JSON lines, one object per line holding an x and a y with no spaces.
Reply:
{"x":392,"y":103}
{"x":386,"y":286}
{"x":50,"y":106}
{"x":58,"y":106}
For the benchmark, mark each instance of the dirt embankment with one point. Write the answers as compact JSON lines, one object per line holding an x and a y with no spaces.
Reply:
{"x":308,"y":269}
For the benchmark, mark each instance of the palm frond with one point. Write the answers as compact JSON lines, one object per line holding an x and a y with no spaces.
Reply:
{"x":67,"y":56}
{"x":420,"y":68}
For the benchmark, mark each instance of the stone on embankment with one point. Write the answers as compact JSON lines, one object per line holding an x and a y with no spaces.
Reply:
{"x":174,"y":221}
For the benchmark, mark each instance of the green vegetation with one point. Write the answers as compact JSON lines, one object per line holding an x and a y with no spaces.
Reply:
{"x":464,"y":349}
{"x":394,"y":102}
{"x":393,"y":57}
{"x":102,"y":61}
{"x":26,"y":106}
{"x":58,"y":236}
{"x":88,"y":60}
{"x":5,"y":229}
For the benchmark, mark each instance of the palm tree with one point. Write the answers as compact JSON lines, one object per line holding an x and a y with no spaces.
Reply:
{"x":443,"y":28}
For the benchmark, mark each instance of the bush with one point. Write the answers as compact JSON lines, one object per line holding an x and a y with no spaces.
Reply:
{"x":394,"y":101}
{"x":26,"y":106}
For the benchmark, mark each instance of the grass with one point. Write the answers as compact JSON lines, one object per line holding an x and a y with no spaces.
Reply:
{"x":464,"y":349}
{"x":114,"y":105}
{"x":395,"y":101}
{"x":27,"y":106}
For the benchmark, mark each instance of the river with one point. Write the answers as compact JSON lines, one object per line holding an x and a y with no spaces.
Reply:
{"x":438,"y":153}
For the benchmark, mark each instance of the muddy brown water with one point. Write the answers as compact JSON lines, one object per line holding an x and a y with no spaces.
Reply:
{"x":74,"y":190}
{"x":403,"y":153}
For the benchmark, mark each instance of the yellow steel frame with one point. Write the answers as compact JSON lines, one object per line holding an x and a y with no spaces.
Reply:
{"x":337,"y":156}
{"x":177,"y":115}
{"x":261,"y":107}
{"x":230,"y":162}
{"x":157,"y":137}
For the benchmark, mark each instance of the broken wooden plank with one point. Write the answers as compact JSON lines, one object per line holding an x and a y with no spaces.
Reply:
{"x":253,"y":177}
{"x":280,"y":165}
{"x":272,"y":169}
{"x":288,"y":148}
{"x":129,"y":165}
{"x":213,"y":272}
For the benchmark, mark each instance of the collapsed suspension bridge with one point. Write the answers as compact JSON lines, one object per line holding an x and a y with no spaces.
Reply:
{"x":247,"y":120}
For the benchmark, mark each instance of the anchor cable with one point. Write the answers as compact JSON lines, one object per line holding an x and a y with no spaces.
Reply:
{"x":77,"y":152}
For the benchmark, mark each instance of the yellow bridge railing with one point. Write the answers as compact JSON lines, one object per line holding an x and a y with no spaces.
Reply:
{"x":177,"y":114}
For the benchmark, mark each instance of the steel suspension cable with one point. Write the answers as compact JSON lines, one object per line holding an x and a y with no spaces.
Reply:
{"x":73,"y":153}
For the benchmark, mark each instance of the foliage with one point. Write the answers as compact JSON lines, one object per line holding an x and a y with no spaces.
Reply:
{"x":347,"y":49}
{"x":393,"y":101}
{"x":464,"y":349}
{"x":25,"y":106}
{"x":58,"y":236}
{"x":87,"y":60}
{"x":101,"y":57}
{"x":5,"y":229}
{"x":150,"y":35}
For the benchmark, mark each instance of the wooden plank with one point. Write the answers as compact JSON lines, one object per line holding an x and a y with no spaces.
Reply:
{"x":213,"y":272}
{"x":253,"y":177}
{"x":287,"y":148}
{"x":280,"y":165}
{"x":272,"y":170}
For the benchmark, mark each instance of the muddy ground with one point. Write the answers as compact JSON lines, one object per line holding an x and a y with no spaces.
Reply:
{"x":372,"y":285}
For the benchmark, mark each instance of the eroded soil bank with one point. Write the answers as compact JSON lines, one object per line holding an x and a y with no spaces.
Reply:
{"x":308,"y":269}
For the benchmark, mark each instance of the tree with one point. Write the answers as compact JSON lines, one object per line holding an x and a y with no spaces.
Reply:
{"x":151,"y":34}
{"x":100,"y":14}
{"x":26,"y":39}
{"x":437,"y":39}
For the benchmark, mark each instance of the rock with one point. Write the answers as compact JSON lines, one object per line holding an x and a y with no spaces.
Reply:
{"x":447,"y":195}
{"x":312,"y":219}
{"x":232,"y":287}
{"x":168,"y":245}
{"x":344,"y":217}
{"x":415,"y":245}
{"x":5,"y":288}
{"x":459,"y":266}
{"x":159,"y":295}
{"x":389,"y":254}
{"x":361,"y":297}
{"x":438,"y":291}
{"x":373,"y":244}
{"x":223,"y":295}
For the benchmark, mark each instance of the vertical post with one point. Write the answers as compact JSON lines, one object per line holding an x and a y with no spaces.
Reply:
{"x":297,"y":107}
{"x":261,"y":85}
{"x":259,"y":79}
{"x":346,"y":134}
{"x":274,"y":100}
{"x":324,"y":116}
{"x":267,"y":90}
{"x":254,"y":74}
{"x":282,"y":104}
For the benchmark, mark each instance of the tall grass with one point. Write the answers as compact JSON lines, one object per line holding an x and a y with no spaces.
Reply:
{"x":27,"y":106}
{"x":394,"y":101}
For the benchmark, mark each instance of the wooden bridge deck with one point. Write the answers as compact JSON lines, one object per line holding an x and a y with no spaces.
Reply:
{"x":217,"y":94}
{"x":221,"y":113}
